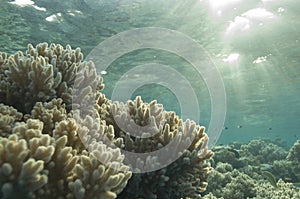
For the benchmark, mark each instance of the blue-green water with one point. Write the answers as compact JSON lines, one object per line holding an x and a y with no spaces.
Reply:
{"x":257,"y":53}
{"x":254,"y":45}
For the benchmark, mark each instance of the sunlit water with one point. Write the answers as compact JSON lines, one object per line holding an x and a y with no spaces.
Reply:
{"x":254,"y":45}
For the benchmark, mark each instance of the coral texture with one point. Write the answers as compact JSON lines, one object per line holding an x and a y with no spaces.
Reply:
{"x":61,"y":138}
{"x":41,"y":74}
{"x":289,"y":169}
{"x":259,"y":151}
{"x":36,"y":165}
{"x":230,"y":183}
{"x":294,"y":153}
{"x":283,"y":191}
{"x":8,"y":116}
{"x":240,"y":171}
{"x":185,"y":177}
{"x":41,"y":153}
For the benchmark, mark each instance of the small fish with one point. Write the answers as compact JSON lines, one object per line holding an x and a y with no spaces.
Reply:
{"x":287,"y":179}
{"x":270,"y":177}
{"x":266,"y":167}
{"x":239,"y":126}
{"x":270,"y":128}
{"x":103,"y":72}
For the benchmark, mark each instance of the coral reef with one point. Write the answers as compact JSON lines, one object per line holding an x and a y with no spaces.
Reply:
{"x":8,"y":116}
{"x":259,"y":151}
{"x":61,"y":138}
{"x":283,"y":191}
{"x":240,"y":171}
{"x":289,"y":168}
{"x":227,"y":182}
{"x":294,"y":153}
{"x":36,"y":165}
{"x":228,"y":154}
{"x":43,"y":73}
{"x":186,"y":177}
{"x":41,"y":153}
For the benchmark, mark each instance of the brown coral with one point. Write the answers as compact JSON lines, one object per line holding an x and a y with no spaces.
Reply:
{"x":43,"y":156}
{"x":8,"y":116}
{"x":185,"y":143}
{"x":43,"y":73}
{"x":49,"y":113}
{"x":294,"y":152}
{"x":36,"y":165}
{"x":64,"y":153}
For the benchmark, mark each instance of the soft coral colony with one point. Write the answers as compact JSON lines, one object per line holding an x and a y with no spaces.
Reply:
{"x":41,"y":150}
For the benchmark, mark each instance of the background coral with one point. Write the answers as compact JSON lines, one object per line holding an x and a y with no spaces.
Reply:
{"x":283,"y":191}
{"x":294,"y":152}
{"x":229,"y":183}
{"x":262,"y":152}
{"x":239,"y":171}
{"x":289,"y":168}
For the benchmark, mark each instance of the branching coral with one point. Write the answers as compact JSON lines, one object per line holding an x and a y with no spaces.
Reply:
{"x":49,"y":113}
{"x":37,"y":165}
{"x":229,"y":183}
{"x":261,"y":152}
{"x":41,"y":154}
{"x":29,"y":80}
{"x":22,"y":172}
{"x":145,"y":127}
{"x":40,"y":75}
{"x":8,"y":116}
{"x":256,"y":179}
{"x":289,"y":168}
{"x":67,"y":139}
{"x":284,"y":191}
{"x":228,"y":155}
{"x":105,"y":181}
{"x":294,"y":153}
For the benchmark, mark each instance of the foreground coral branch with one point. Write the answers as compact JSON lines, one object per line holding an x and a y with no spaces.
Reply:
{"x":61,"y":138}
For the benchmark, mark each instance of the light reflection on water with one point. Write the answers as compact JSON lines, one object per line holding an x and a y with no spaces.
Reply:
{"x":255,"y":46}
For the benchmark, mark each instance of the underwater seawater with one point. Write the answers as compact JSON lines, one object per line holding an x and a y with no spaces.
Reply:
{"x":170,"y":99}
